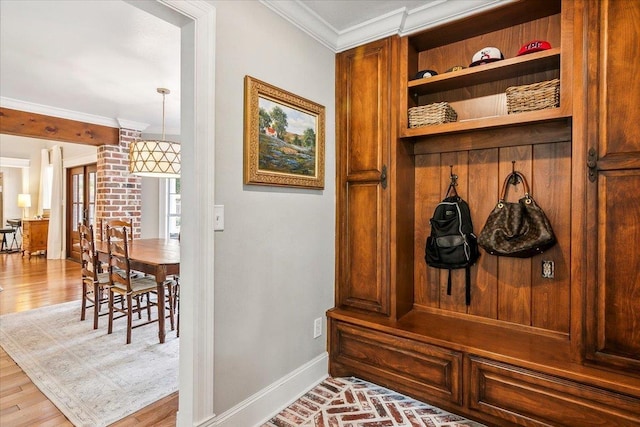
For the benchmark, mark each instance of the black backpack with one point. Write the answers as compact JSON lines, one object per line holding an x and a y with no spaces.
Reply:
{"x":452,"y":243}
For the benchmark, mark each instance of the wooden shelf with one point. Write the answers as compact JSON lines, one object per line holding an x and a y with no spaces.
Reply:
{"x":487,"y":123}
{"x":527,"y":64}
{"x":511,"y":68}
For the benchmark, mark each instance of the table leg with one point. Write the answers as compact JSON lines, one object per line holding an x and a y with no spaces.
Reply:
{"x":161,"y":309}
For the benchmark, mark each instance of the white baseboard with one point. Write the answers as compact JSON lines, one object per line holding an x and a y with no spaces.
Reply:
{"x":266,"y":403}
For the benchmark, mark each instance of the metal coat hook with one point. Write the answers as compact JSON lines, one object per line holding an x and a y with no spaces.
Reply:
{"x":454,"y":182}
{"x":514,"y":179}
{"x":453,"y":177}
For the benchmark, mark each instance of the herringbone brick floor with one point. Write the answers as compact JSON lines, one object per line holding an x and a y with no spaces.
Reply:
{"x":351,"y":402}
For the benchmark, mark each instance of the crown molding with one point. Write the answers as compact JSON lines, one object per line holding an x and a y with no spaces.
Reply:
{"x":305,"y":19}
{"x":373,"y":29}
{"x":46,"y":110}
{"x":12,"y":162}
{"x":401,"y":21}
{"x":130,"y":124}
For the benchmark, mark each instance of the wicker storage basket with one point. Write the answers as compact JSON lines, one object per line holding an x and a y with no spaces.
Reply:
{"x":536,"y":96}
{"x":431,"y":114}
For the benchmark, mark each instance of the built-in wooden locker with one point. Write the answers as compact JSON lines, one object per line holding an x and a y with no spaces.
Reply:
{"x":367,"y":165}
{"x":613,"y":155}
{"x":363,"y":222}
{"x":529,"y":350}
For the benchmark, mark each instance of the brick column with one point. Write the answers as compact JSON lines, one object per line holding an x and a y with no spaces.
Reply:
{"x":119,"y":193}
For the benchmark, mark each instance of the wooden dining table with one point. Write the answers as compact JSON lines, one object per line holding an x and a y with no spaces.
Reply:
{"x":158,"y":257}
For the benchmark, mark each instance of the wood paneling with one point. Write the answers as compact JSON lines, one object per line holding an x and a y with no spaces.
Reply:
{"x":21,"y":123}
{"x":428,"y":194}
{"x":484,"y":190}
{"x":508,"y":289}
{"x":551,"y":188}
{"x":514,"y":274}
{"x":459,"y":161}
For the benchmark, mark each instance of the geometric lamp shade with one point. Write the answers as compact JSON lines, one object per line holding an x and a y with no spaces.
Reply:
{"x":154,"y":158}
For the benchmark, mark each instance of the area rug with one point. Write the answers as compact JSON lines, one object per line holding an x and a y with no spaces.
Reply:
{"x":352,"y":402}
{"x":94,"y":378}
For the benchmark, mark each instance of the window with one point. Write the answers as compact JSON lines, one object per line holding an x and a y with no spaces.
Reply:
{"x":173,"y":208}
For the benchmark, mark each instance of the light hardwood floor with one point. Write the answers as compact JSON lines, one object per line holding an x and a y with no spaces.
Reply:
{"x":33,"y":283}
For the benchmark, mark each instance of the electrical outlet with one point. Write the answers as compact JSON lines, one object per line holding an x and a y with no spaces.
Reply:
{"x":317,"y":327}
{"x":548,"y":269}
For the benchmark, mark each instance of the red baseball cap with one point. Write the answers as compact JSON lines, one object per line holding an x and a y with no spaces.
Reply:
{"x":534,"y":46}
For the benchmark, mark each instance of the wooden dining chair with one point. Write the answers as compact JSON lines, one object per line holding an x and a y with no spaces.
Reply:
{"x":95,"y":283}
{"x":135,"y":291}
{"x":176,"y":302}
{"x":118,"y":223}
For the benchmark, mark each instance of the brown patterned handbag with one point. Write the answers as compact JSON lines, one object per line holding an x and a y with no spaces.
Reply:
{"x":516,"y":229}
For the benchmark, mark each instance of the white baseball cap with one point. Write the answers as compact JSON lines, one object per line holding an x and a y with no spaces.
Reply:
{"x":486,"y":55}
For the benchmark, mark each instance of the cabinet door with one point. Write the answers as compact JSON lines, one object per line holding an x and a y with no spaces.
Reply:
{"x":613,"y":136}
{"x":363,"y":133}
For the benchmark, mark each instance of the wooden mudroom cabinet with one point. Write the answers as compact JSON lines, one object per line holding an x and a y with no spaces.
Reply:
{"x":612,"y":133}
{"x":529,"y":350}
{"x":367,"y":128}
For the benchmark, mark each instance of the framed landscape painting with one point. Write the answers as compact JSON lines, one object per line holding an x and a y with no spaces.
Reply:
{"x":283,"y":137}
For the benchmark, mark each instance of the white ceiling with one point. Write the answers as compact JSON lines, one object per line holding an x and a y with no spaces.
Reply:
{"x":102,"y":61}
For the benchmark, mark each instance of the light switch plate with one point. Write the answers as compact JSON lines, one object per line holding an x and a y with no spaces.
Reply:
{"x":218,"y":213}
{"x":317,"y":327}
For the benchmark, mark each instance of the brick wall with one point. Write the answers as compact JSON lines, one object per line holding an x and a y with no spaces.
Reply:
{"x":119,"y":193}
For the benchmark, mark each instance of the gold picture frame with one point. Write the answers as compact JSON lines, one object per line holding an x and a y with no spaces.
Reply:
{"x":283,"y":137}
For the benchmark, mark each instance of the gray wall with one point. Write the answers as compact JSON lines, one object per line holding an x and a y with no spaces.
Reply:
{"x":274,"y":262}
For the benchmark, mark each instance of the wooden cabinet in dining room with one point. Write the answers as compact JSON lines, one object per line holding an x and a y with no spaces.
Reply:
{"x":34,"y":236}
{"x":366,"y":164}
{"x":612,"y":133}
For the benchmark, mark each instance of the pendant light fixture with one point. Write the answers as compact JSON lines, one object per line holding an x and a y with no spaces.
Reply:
{"x":155,"y":158}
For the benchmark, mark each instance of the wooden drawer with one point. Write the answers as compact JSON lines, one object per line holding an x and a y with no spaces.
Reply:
{"x":411,"y":366}
{"x":530,"y":398}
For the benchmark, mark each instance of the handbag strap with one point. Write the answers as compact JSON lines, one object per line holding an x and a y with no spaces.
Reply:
{"x":512,"y":178}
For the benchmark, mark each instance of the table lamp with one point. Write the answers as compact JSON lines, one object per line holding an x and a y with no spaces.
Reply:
{"x":24,"y":202}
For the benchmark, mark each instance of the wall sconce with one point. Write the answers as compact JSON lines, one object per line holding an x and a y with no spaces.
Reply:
{"x":155,"y":158}
{"x":24,"y":202}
